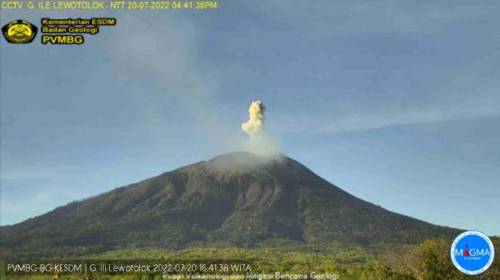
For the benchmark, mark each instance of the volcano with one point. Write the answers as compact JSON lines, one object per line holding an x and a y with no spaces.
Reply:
{"x":240,"y":198}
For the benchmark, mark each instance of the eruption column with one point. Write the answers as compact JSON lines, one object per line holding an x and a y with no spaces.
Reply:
{"x":255,"y":123}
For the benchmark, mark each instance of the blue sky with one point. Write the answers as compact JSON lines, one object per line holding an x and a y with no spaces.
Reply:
{"x":396,"y":102}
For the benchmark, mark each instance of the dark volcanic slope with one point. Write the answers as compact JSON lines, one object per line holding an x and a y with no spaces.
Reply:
{"x":239,"y":197}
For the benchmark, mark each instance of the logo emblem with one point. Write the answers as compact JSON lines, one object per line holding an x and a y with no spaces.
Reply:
{"x":472,"y":252}
{"x":19,"y":32}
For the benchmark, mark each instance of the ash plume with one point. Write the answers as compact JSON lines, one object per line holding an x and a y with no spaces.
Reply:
{"x":259,"y":142}
{"x":255,"y":123}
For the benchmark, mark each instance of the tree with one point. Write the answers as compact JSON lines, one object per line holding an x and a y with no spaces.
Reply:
{"x":433,"y":261}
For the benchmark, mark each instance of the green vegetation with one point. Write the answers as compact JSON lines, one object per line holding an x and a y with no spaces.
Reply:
{"x":278,"y":216}
{"x":428,"y":260}
{"x":215,"y":201}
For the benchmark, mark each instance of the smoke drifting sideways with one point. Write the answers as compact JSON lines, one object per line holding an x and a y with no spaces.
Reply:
{"x":259,"y":142}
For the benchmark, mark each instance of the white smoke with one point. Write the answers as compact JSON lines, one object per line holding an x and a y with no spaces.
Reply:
{"x":259,"y":142}
{"x":255,"y":123}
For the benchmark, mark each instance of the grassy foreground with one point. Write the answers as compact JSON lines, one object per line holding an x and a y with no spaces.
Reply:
{"x":428,"y":260}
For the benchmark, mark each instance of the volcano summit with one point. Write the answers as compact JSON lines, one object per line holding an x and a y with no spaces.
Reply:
{"x":240,"y":198}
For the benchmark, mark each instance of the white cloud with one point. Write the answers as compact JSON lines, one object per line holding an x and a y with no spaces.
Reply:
{"x":416,"y":116}
{"x":167,"y":51}
{"x":164,"y":48}
{"x":478,"y":101}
